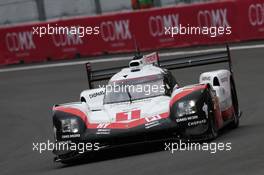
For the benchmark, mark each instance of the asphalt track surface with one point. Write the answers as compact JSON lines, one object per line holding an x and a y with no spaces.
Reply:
{"x":27,"y":97}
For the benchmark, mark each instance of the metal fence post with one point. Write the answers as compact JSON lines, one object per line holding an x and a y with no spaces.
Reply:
{"x":157,"y":3}
{"x":98,"y":8}
{"x":41,"y":10}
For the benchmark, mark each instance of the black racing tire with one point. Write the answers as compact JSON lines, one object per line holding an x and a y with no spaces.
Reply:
{"x":235,"y":123}
{"x":212,"y":128}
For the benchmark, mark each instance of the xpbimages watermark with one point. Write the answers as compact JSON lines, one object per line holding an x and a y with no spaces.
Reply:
{"x":64,"y":146}
{"x":191,"y":30}
{"x":81,"y":31}
{"x":212,"y":147}
{"x":146,"y":89}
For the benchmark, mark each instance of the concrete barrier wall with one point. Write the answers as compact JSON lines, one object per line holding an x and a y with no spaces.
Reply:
{"x":17,"y":11}
{"x":152,"y":29}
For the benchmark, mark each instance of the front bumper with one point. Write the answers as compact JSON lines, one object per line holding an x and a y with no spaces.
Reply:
{"x":109,"y":138}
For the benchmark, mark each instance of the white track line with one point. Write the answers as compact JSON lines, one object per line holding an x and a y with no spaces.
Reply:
{"x":50,"y":65}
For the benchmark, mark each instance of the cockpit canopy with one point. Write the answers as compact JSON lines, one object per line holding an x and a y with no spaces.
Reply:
{"x":134,"y":89}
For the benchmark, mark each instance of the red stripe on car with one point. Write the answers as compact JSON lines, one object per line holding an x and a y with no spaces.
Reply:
{"x":114,"y":125}
{"x":73,"y":111}
{"x":186,"y":91}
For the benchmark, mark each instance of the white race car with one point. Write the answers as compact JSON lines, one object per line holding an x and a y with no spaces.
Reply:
{"x":143,"y":102}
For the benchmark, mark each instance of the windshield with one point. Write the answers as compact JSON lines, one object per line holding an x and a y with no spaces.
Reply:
{"x":134,"y":89}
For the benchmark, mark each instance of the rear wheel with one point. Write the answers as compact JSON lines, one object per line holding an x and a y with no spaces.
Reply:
{"x":235,"y":122}
{"x":213,"y":130}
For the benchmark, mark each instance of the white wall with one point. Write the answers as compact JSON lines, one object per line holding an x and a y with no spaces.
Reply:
{"x":115,"y":5}
{"x":173,"y":2}
{"x":12,"y":11}
{"x":61,"y":8}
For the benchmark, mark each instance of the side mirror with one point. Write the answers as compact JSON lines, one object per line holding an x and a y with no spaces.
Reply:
{"x":176,"y":87}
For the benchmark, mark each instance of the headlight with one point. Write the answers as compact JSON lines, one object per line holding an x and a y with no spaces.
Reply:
{"x":69,"y":125}
{"x":186,"y":108}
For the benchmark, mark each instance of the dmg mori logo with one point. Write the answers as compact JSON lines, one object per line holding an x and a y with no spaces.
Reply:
{"x":19,"y":41}
{"x":115,"y":30}
{"x":256,"y":14}
{"x":213,"y":18}
{"x":62,"y":40}
{"x":157,"y":24}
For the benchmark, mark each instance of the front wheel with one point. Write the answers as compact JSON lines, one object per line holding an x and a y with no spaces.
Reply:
{"x":212,"y":128}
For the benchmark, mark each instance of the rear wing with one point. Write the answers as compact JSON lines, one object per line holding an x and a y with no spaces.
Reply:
{"x":175,"y":63}
{"x":199,"y":60}
{"x":105,"y":74}
{"x":99,"y":75}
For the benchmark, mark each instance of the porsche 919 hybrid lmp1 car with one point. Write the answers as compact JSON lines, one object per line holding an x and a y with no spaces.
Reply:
{"x":144,"y":102}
